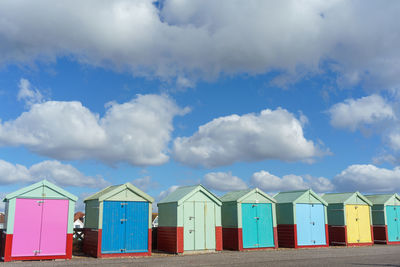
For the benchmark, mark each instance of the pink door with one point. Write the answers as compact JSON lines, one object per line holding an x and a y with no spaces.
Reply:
{"x":27,"y":225}
{"x":53,"y":239}
{"x":40,"y":227}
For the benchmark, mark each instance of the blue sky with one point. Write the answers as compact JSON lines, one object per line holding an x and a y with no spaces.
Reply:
{"x":232,"y":95}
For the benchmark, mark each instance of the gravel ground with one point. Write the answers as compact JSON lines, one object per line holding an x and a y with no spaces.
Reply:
{"x":378,"y":255}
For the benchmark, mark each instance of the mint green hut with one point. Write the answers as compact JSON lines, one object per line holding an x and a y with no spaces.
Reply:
{"x":385,"y":218}
{"x":248,"y":220}
{"x":189,"y":219}
{"x":118,"y":222}
{"x":302,"y":219}
{"x":39,"y":223}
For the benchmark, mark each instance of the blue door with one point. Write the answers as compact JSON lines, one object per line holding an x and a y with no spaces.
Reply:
{"x":392,"y":219}
{"x":137,"y":225}
{"x":113,"y":233}
{"x":310,"y":219}
{"x":257,"y":225}
{"x":303,"y":221}
{"x":125,"y":227}
{"x":318,"y":231}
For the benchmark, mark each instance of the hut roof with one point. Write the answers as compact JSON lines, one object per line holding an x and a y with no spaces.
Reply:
{"x":185,"y":192}
{"x":43,"y":183}
{"x":294,"y":196}
{"x":382,"y":199}
{"x":238,"y":196}
{"x":114,"y":189}
{"x":333,"y":198}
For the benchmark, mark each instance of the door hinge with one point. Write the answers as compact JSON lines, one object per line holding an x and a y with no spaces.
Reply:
{"x":123,"y":204}
{"x":191,"y":217}
{"x":124,"y":220}
{"x":254,"y":205}
{"x":257,"y":218}
{"x":313,"y":223}
{"x":190,"y":231}
{"x":36,"y":251}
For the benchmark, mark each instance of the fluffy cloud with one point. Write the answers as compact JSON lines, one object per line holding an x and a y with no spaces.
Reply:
{"x":223,"y":181}
{"x":28,"y":94}
{"x":54,"y":171}
{"x":136,"y":132}
{"x":272,"y":134}
{"x":271,"y":183}
{"x":144,"y":183}
{"x":368,"y":178}
{"x":165,"y":193}
{"x":181,"y":39}
{"x":353,"y":114}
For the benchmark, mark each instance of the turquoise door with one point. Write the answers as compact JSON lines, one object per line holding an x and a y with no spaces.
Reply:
{"x":310,"y":220}
{"x":393,"y":223}
{"x":257,"y":225}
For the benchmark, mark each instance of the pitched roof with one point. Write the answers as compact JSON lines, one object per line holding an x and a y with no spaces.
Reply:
{"x":43,"y":183}
{"x":185,"y":192}
{"x":381,"y":199}
{"x":114,"y":189}
{"x":293,"y":196}
{"x":238,"y":196}
{"x":332,"y":198}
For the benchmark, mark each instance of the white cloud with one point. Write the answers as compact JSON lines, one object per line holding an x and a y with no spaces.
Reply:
{"x":53,"y":171}
{"x":206,"y":38}
{"x":394,"y":140}
{"x":136,"y":132}
{"x":223,"y":181}
{"x":165,"y":193}
{"x":28,"y":94}
{"x":271,"y":183}
{"x":272,"y":134}
{"x":368,"y":178}
{"x":354,"y":114}
{"x":144,"y":183}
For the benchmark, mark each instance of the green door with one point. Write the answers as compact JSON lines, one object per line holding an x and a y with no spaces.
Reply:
{"x":199,"y":225}
{"x":188,"y":226}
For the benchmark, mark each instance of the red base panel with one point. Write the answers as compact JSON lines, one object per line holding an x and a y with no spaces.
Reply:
{"x":7,"y":247}
{"x":92,"y":246}
{"x":287,"y":235}
{"x":380,"y":234}
{"x":360,"y":244}
{"x":337,"y":235}
{"x":170,"y":239}
{"x":233,"y":239}
{"x":218,"y":238}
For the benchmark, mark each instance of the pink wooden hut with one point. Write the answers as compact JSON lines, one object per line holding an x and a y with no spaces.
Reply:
{"x":39,"y":223}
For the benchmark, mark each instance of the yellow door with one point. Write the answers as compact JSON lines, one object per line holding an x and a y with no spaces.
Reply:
{"x":353,"y":231}
{"x":364,"y":223}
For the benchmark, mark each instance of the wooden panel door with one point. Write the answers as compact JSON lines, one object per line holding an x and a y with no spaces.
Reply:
{"x":209,"y":221}
{"x":53,"y":238}
{"x":353,"y":229}
{"x":114,"y":224}
{"x":265,"y":226}
{"x":27,"y":227}
{"x":249,"y":225}
{"x":364,"y":223}
{"x":137,"y":225}
{"x":303,"y":221}
{"x":188,"y":226}
{"x":318,"y":230}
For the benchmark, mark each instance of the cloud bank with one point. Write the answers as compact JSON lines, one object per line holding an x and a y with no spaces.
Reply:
{"x":185,"y":41}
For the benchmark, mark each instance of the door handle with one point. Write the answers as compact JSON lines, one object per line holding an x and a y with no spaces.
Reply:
{"x":257,"y":218}
{"x":190,"y":231}
{"x":191,"y":217}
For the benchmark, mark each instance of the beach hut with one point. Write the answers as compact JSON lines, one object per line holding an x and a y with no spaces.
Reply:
{"x":189,"y":219}
{"x":349,"y":219}
{"x":118,"y":222}
{"x":248,"y":220}
{"x":39,"y":223}
{"x":386,"y":218}
{"x":301,"y":218}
